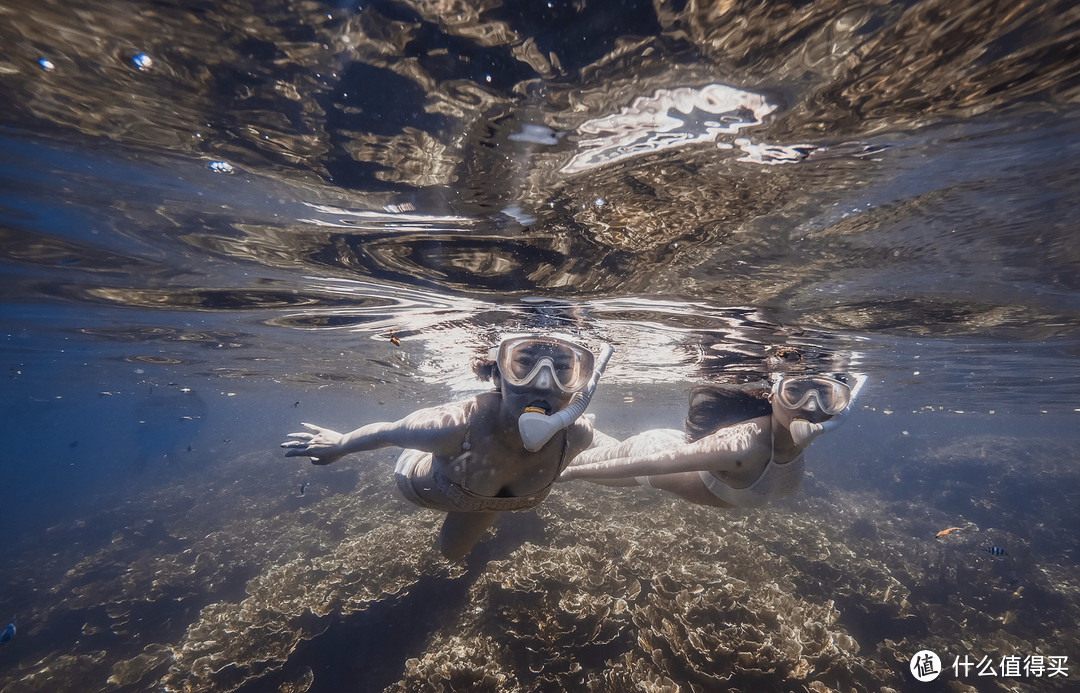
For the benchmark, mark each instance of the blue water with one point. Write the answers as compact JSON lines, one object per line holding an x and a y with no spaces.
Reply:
{"x":321,"y":212}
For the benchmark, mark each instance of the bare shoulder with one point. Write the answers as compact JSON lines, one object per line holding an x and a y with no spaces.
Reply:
{"x":648,"y":442}
{"x":758,"y":426}
{"x":444,"y":416}
{"x":740,"y":439}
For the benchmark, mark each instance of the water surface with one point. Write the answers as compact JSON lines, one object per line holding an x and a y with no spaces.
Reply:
{"x":220,"y":219}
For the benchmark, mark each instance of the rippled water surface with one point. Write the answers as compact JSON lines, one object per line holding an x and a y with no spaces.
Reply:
{"x":220,"y":219}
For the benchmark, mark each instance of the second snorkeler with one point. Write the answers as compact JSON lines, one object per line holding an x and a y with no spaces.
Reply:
{"x":741,"y":447}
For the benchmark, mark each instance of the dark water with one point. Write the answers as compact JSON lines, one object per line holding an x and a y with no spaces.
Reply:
{"x":220,"y":219}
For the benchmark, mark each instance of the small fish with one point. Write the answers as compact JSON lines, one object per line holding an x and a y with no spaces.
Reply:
{"x":295,"y":405}
{"x":789,"y":353}
{"x":8,"y":633}
{"x":303,"y":487}
{"x":73,"y":444}
{"x":995,"y":550}
{"x":189,"y":448}
{"x":946,"y":531}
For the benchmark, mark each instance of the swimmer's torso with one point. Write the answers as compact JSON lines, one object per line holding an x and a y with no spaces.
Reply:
{"x":754,"y":436}
{"x":496,"y":463}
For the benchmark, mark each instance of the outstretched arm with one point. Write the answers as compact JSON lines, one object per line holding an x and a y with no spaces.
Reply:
{"x":439,"y":430}
{"x":661,"y":452}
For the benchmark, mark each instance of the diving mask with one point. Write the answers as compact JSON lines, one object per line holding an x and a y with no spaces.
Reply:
{"x":520,"y":360}
{"x":803,"y":431}
{"x":815,"y":393}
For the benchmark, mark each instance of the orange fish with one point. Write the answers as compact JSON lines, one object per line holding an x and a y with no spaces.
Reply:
{"x":946,"y":531}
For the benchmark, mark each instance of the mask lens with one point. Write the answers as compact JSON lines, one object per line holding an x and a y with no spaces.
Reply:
{"x":826,"y":394}
{"x":520,"y":361}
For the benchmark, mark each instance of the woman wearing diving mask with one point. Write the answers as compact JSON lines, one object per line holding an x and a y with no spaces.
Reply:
{"x":470,"y":459}
{"x":740,"y":449}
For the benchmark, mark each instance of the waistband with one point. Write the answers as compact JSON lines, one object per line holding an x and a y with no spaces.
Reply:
{"x":443,"y":494}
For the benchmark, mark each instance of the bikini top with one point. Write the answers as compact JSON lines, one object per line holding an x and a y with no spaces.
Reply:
{"x":776,"y":481}
{"x":468,"y":501}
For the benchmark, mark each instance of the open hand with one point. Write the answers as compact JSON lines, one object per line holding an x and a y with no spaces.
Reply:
{"x":322,"y":445}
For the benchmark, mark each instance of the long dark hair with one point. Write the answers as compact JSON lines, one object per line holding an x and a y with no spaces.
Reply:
{"x":485,"y":369}
{"x":712,"y":407}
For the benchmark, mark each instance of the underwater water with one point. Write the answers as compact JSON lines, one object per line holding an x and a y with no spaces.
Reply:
{"x":220,"y":219}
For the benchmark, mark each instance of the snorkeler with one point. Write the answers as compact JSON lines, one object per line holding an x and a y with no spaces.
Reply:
{"x":499,"y":451}
{"x":741,"y":448}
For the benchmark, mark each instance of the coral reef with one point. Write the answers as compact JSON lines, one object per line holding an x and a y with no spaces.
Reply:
{"x":290,"y":602}
{"x":459,"y":663}
{"x":598,"y":589}
{"x":648,"y":599}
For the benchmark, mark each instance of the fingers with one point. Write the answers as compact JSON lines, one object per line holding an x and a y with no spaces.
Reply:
{"x":302,"y":452}
{"x":305,"y":441}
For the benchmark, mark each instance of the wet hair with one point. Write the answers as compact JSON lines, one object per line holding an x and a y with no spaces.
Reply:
{"x":485,"y":368}
{"x":712,"y":407}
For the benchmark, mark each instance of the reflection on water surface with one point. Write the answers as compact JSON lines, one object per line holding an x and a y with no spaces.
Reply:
{"x":299,"y":210}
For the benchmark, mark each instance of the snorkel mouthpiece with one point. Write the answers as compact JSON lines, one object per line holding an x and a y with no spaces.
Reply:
{"x":537,"y":428}
{"x":802,"y":431}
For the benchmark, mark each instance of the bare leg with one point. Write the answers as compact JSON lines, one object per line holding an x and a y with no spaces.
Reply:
{"x":631,"y":481}
{"x":461,"y":531}
{"x":603,"y":440}
{"x":688,"y":486}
